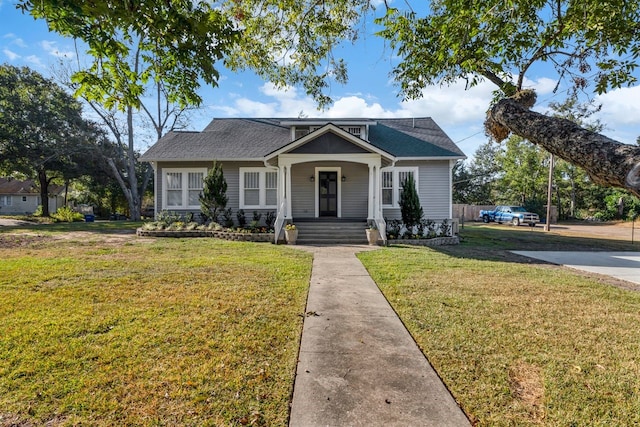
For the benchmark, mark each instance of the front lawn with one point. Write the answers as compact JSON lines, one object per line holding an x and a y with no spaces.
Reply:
{"x":518,"y":343}
{"x":116,"y":330}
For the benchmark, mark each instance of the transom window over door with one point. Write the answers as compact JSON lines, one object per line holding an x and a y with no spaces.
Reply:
{"x":258,"y":188}
{"x":392,"y":180}
{"x":182,"y":188}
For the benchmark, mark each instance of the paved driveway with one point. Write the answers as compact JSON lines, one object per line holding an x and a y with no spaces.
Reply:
{"x":621,"y":265}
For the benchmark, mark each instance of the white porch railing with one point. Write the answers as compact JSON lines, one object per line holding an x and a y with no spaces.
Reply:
{"x":277,"y":226}
{"x":381,"y":224}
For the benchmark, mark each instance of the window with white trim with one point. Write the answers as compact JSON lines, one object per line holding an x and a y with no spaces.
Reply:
{"x":392,"y":180}
{"x":182,"y":188}
{"x":258,"y":188}
{"x":5,"y":200}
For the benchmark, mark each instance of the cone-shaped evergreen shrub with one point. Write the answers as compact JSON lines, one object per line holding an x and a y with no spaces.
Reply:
{"x":214,"y":199}
{"x":410,"y":208}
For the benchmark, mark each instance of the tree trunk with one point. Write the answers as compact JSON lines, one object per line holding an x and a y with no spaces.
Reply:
{"x":134,"y":200}
{"x":608,"y":162}
{"x":44,"y":191}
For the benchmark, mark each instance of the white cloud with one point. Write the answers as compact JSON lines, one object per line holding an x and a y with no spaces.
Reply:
{"x":34,"y":60}
{"x":249,"y":108}
{"x":542,"y":85}
{"x":620,"y":106}
{"x":11,"y":55}
{"x":52,"y":49}
{"x":452,"y":105}
{"x":19,"y":42}
{"x":355,"y":106}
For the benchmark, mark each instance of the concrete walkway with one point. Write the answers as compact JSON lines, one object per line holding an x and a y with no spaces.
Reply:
{"x":621,"y":265}
{"x":358,"y":365}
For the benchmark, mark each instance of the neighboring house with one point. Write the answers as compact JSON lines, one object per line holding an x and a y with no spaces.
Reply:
{"x":309,"y":168}
{"x":23,"y":197}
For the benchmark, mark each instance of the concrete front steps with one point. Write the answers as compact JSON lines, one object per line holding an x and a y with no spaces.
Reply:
{"x":331,"y":232}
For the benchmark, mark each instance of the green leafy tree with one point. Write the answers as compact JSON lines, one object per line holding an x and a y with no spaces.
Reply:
{"x":42,"y":133}
{"x":524,"y":174}
{"x":502,"y":41}
{"x":214,"y":198}
{"x":476,"y":183}
{"x":410,"y":208}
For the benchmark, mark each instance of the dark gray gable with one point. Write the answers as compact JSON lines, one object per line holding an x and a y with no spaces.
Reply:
{"x":329,"y":143}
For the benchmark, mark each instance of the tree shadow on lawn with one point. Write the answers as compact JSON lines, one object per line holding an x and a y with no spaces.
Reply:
{"x":495,"y":243}
{"x":99,"y":227}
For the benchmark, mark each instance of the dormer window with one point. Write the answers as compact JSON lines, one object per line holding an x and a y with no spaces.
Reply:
{"x":357,"y":131}
{"x":301,"y":131}
{"x":302,"y":127}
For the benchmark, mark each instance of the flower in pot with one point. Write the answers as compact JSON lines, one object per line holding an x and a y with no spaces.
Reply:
{"x":291,"y":233}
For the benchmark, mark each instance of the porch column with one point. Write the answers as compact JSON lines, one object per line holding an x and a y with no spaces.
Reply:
{"x":287,"y":193}
{"x":372,"y":191}
{"x":284,"y":189}
{"x":378,"y":195}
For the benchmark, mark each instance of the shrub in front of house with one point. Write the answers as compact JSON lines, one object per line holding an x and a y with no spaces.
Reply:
{"x":183,"y":225}
{"x":65,"y":214}
{"x":425,"y":229}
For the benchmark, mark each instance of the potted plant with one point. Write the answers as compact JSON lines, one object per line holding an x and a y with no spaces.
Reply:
{"x":373,"y":235}
{"x":291,"y":233}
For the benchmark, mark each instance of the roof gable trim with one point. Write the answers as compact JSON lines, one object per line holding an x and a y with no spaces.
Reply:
{"x":330,"y":127}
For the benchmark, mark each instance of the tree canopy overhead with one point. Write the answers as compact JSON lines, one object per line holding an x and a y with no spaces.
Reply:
{"x":593,"y":45}
{"x":178,"y":42}
{"x":586,"y":41}
{"x":181,"y":42}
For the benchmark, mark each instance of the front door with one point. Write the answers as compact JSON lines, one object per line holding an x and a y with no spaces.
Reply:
{"x":328,"y":186}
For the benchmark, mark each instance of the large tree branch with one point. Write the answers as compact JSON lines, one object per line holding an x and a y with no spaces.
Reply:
{"x":608,"y":162}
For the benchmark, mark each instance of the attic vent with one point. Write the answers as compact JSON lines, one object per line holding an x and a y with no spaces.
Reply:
{"x":301,"y":132}
{"x":357,"y":131}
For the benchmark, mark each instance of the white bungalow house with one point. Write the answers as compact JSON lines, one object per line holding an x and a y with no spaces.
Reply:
{"x":309,"y":170}
{"x":23,"y":197}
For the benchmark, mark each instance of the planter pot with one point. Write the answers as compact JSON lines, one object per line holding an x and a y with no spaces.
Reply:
{"x":373,"y":236}
{"x":291,"y":236}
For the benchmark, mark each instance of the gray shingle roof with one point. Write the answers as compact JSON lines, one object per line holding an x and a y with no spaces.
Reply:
{"x":16,"y":187}
{"x":226,"y":139}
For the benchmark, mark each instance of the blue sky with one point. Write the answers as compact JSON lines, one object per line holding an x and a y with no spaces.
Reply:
{"x":369,"y":93}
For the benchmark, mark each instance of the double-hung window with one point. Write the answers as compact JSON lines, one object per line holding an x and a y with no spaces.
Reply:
{"x":182,"y":188}
{"x":258,"y":188}
{"x":392,"y":181}
{"x":5,"y":200}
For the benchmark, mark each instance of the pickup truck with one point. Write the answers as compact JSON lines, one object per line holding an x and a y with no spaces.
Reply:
{"x":516,"y":215}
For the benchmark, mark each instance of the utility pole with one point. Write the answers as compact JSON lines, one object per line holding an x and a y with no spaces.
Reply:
{"x":547,"y":225}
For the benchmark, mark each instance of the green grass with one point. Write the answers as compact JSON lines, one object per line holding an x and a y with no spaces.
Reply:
{"x":64,"y":227}
{"x":519,"y":343}
{"x":100,"y":329}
